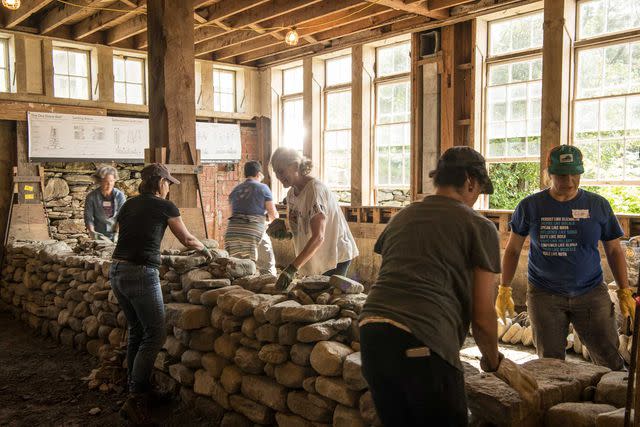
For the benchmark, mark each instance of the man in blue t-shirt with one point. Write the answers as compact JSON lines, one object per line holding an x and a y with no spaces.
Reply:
{"x":565,"y":224}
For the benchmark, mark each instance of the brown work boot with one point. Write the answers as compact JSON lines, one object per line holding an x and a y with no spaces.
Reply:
{"x":136,"y":409}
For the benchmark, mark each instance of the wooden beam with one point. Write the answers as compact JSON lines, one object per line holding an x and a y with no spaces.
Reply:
{"x":362,"y":68}
{"x":28,"y":8}
{"x":107,"y":19}
{"x":559,"y":33}
{"x":172,"y":109}
{"x":268,"y":11}
{"x":445,"y":4}
{"x":127,"y":29}
{"x":371,"y":23}
{"x":306,"y":29}
{"x":64,"y":13}
{"x":418,"y":7}
{"x":217,"y":13}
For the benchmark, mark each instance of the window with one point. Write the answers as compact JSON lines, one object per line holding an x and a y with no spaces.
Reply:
{"x":128,"y":76}
{"x":599,"y":17}
{"x":71,"y":73}
{"x":5,"y":75}
{"x":392,"y":123}
{"x":337,"y":125}
{"x":512,"y":113}
{"x":292,"y":119}
{"x":224,"y":91}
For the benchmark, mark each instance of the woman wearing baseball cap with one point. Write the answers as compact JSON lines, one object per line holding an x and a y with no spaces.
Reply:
{"x":565,"y":224}
{"x":440,"y":259}
{"x":135,"y":279}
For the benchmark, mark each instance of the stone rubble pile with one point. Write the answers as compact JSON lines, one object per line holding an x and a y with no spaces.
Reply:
{"x":243,"y":354}
{"x":66,"y":188}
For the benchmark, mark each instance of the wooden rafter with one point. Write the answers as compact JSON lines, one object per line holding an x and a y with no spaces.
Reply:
{"x":417,"y":7}
{"x":297,"y":18}
{"x":326,"y":36}
{"x":28,"y":8}
{"x":313,"y":28}
{"x":107,"y":19}
{"x":445,"y":4}
{"x":64,"y":13}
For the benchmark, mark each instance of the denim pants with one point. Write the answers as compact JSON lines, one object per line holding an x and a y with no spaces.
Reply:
{"x":593,"y":318}
{"x":410,"y":391}
{"x":137,"y":288}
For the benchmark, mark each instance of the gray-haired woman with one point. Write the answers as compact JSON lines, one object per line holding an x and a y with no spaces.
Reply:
{"x":102,"y":205}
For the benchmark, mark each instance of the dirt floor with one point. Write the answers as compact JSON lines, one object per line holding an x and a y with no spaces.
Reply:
{"x":40,"y":385}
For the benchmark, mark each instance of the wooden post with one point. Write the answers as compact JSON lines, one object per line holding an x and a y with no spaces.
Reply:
{"x":105,"y":73}
{"x":313,"y":81}
{"x":172,"y":110}
{"x":417,"y":120}
{"x":362,"y":72}
{"x":206,"y":86}
{"x":559,"y":32}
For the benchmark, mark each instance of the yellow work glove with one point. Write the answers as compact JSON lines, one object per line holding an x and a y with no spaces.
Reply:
{"x":627,"y":303}
{"x":504,"y":303}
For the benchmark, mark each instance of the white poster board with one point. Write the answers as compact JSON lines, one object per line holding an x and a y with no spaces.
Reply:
{"x":75,"y":137}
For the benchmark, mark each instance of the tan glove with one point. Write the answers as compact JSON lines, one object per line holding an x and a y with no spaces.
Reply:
{"x":517,"y":378}
{"x":504,"y":303}
{"x":627,"y":303}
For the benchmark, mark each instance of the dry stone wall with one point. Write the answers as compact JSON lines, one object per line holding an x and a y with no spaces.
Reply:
{"x":243,"y":354}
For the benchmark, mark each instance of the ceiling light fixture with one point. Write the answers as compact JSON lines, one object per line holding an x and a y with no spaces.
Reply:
{"x":11,"y":4}
{"x":292,"y":37}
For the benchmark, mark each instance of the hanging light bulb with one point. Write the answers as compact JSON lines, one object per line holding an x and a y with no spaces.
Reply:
{"x":11,"y":4}
{"x":292,"y":37}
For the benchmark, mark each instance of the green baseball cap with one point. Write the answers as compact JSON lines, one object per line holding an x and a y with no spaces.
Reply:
{"x":565,"y":160}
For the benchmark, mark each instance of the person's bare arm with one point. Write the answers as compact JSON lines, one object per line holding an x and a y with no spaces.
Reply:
{"x":617,"y":262}
{"x":484,"y":322}
{"x":272,"y":212}
{"x":179,"y":230}
{"x":318,"y":226}
{"x":511,"y":257}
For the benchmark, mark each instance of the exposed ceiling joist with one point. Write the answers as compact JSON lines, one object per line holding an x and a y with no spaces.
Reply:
{"x":28,"y":8}
{"x":323,"y":37}
{"x":127,"y":29}
{"x":107,"y":19}
{"x":445,"y":4}
{"x":309,"y":29}
{"x":64,"y":13}
{"x":298,"y":18}
{"x":418,"y":7}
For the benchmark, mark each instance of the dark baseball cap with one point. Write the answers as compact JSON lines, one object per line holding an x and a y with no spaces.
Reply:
{"x":158,"y":169}
{"x":467,"y":158}
{"x":565,"y":160}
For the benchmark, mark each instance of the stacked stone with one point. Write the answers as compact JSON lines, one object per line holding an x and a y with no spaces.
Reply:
{"x":394,"y":197}
{"x":67,"y":186}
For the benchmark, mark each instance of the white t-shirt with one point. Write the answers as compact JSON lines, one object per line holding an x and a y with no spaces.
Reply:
{"x":338,"y":245}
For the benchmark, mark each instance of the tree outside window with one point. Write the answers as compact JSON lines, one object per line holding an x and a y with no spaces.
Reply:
{"x":71,"y":73}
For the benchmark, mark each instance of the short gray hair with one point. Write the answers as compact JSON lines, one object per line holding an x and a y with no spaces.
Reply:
{"x":283,"y":157}
{"x":104,"y":171}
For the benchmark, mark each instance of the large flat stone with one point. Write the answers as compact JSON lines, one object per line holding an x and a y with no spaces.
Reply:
{"x":575,"y":414}
{"x":612,"y":389}
{"x":299,"y":403}
{"x":612,"y":419}
{"x":291,"y":375}
{"x":266,"y":391}
{"x":346,"y":285}
{"x":336,"y":389}
{"x":352,"y":372}
{"x":274,"y":313}
{"x":186,"y":316}
{"x":311,"y":313}
{"x":324,"y":330}
{"x":256,"y":412}
{"x":327,"y":357}
{"x":246,"y":305}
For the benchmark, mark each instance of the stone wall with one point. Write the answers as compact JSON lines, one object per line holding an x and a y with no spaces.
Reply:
{"x":393,"y":197}
{"x":242,"y":354}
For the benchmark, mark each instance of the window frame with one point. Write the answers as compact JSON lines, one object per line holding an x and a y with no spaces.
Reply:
{"x":326,"y":91}
{"x":615,"y":34}
{"x":295,"y":96}
{"x":629,"y":36}
{"x":143,"y":84}
{"x":377,"y":82}
{"x":217,"y":92}
{"x":87,"y":54}
{"x":490,"y":60}
{"x":8,"y":69}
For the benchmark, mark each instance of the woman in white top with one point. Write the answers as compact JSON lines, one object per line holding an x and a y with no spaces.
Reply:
{"x":321,"y":237}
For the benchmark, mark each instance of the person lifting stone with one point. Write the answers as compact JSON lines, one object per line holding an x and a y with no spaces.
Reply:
{"x":564,"y":224}
{"x":102,"y":205}
{"x":440,"y":261}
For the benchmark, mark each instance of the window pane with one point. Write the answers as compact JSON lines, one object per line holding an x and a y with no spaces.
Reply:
{"x":632,"y":160}
{"x":61,"y":86}
{"x":78,"y":88}
{"x":292,"y":81}
{"x":60,"y":62}
{"x":4,"y":80}
{"x":393,"y":59}
{"x":393,"y":143}
{"x":394,"y":103}
{"x":3,"y":53}
{"x":119,"y":92}
{"x":78,"y":64}
{"x":599,"y":17}
{"x":293,"y":131}
{"x":616,"y":68}
{"x":227,"y":103}
{"x":586,"y":120}
{"x":118,"y":69}
{"x":338,"y":110}
{"x":134,"y":94}
{"x":338,"y":70}
{"x":516,"y":34}
{"x":337,"y":158}
{"x":134,"y":70}
{"x":589,"y":72}
{"x":227,"y":81}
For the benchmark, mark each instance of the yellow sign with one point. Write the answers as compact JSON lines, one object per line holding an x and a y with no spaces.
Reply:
{"x":28,"y":196}
{"x":28,"y":188}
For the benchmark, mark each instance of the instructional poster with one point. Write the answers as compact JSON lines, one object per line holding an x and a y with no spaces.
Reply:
{"x":74,"y":137}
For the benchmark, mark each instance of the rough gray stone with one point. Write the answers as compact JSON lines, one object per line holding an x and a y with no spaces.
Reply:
{"x":265,"y":390}
{"x":256,"y":412}
{"x":612,"y":389}
{"x":248,"y":360}
{"x":301,"y":354}
{"x":346,"y":285}
{"x":309,"y":313}
{"x":274,"y":313}
{"x":336,"y":389}
{"x":576,"y":414}
{"x":324,"y":330}
{"x":274,"y":353}
{"x":291,"y":375}
{"x":214,"y":364}
{"x":186,"y":316}
{"x":299,"y":403}
{"x":327,"y":357}
{"x":344,"y":416}
{"x":352,"y":372}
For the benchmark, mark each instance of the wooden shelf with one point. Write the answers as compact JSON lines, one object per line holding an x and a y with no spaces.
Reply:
{"x":465,"y":66}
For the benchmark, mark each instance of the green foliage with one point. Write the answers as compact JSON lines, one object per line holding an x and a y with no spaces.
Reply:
{"x":512,"y":182}
{"x":623,"y":199}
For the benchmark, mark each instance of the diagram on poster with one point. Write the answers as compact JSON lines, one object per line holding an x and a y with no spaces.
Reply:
{"x":78,"y":137}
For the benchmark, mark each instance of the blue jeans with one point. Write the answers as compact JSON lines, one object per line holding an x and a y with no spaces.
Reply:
{"x":137,"y":288}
